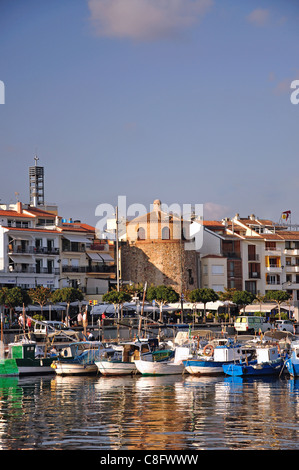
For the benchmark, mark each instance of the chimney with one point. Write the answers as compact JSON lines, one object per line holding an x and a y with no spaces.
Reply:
{"x":19,"y":208}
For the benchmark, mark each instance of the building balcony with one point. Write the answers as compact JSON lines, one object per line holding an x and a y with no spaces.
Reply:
{"x":273,"y":269}
{"x":28,"y":269}
{"x":291,"y":251}
{"x":231,"y":254}
{"x":253,"y":257}
{"x":74,"y":249}
{"x":273,"y":252}
{"x":254,"y":275}
{"x":292,"y":268}
{"x":273,"y":285}
{"x":89,"y":269}
{"x":32,"y":250}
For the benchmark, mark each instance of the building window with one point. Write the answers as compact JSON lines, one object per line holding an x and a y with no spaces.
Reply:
{"x":141,"y":234}
{"x":217,"y":269}
{"x":270,"y":245}
{"x":165,"y":233}
{"x":272,"y":279}
{"x":250,"y":286}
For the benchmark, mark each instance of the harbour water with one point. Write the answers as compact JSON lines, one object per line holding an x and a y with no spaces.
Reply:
{"x":170,"y":413}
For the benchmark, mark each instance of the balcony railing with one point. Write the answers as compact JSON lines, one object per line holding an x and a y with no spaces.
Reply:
{"x":254,"y":275}
{"x":88,"y":269}
{"x":231,"y":254}
{"x":32,"y":250}
{"x":253,"y":257}
{"x":33,"y":270}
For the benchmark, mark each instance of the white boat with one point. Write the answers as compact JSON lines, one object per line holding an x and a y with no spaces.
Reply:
{"x":123,"y":361}
{"x":212,"y":359}
{"x":79,"y":358}
{"x":172,"y":366}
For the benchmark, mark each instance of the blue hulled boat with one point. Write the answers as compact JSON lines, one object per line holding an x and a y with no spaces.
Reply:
{"x":268,"y":362}
{"x":210,"y":363}
{"x":292,"y":363}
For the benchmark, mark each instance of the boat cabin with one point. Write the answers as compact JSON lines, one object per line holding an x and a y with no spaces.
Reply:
{"x":230,"y":353}
{"x":77,"y":348}
{"x":134,"y":351}
{"x":267,"y":354}
{"x":22,"y":350}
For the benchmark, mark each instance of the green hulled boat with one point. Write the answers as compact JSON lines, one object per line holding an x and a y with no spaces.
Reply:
{"x":22,"y":360}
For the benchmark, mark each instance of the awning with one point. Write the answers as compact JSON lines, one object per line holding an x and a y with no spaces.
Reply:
{"x":100,"y":257}
{"x":106,"y":257}
{"x":95,"y":257}
{"x":77,"y":239}
{"x":23,"y":236}
{"x":24,"y":259}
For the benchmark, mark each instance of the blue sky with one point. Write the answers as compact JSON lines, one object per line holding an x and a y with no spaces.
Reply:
{"x":187,"y":101}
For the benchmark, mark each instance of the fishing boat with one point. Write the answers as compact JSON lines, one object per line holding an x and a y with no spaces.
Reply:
{"x":268,"y":362}
{"x":292,"y":362}
{"x":79,"y":358}
{"x":212,"y":358}
{"x":122,"y":362}
{"x":172,"y":366}
{"x":25,"y":358}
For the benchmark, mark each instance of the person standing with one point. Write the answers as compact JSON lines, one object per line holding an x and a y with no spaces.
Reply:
{"x":85,"y":322}
{"x":79,"y":319}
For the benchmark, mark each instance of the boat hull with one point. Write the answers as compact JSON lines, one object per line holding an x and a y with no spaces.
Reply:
{"x":195,"y":367}
{"x":159,"y":368}
{"x":116,"y":367}
{"x":292,"y":367}
{"x":35,"y":366}
{"x":242,"y":370}
{"x":75,"y":369}
{"x":8,"y":368}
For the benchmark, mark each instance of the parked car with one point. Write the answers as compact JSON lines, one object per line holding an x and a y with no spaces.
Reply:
{"x":53,"y":328}
{"x":284,"y":325}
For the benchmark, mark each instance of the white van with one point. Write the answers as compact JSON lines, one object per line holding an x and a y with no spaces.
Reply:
{"x":284,"y":325}
{"x":53,"y":328}
{"x":251,"y":325}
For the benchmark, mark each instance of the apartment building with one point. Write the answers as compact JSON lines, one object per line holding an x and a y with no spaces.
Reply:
{"x":220,"y":258}
{"x":29,"y":248}
{"x":38,"y":248}
{"x":256,"y":255}
{"x":86,"y":262}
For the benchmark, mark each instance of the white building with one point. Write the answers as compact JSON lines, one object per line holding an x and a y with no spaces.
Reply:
{"x":37,"y":248}
{"x":29,"y":248}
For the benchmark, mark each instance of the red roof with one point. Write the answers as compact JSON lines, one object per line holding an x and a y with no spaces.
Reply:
{"x":11,"y":213}
{"x":77,"y":227}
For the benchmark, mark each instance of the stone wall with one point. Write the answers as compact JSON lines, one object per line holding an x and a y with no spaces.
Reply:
{"x":159,"y":262}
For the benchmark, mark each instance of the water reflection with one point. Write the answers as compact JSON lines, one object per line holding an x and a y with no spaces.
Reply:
{"x":151,"y":413}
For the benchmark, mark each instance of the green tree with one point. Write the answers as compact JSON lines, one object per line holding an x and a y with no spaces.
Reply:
{"x":227,"y":296}
{"x":12,"y":297}
{"x":67,"y":295}
{"x":40,"y":295}
{"x":279,"y":296}
{"x":162,"y":295}
{"x":260,"y":299}
{"x":117,"y":298}
{"x":242,"y":298}
{"x":203,"y":296}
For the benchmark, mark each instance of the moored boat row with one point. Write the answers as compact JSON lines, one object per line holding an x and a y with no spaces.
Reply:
{"x":143,"y":356}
